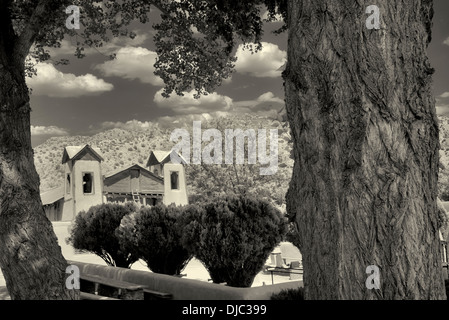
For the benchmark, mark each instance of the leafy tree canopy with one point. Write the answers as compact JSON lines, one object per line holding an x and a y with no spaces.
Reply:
{"x":194,"y":39}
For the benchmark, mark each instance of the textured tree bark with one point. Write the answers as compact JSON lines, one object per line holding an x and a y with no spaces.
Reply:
{"x":30,"y":257}
{"x":365,"y":132}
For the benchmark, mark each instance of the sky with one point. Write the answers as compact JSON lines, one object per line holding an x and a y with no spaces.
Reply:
{"x":95,"y":94}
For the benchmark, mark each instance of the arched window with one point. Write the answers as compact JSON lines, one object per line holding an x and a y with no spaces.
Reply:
{"x":174,"y":178}
{"x":68,"y":184}
{"x":87,"y":183}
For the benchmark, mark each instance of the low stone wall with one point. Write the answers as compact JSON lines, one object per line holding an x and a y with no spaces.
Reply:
{"x":184,"y":289}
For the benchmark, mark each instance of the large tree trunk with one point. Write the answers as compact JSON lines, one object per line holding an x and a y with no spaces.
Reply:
{"x":365,"y":132}
{"x":30,"y":257}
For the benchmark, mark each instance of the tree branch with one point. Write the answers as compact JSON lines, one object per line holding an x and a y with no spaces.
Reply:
{"x":7,"y":35}
{"x":158,"y":5}
{"x":33,"y":26}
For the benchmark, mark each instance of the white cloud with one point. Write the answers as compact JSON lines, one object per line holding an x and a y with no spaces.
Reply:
{"x":266,"y":104}
{"x":442,"y":105}
{"x":188,"y":108}
{"x":54,"y":83}
{"x":129,"y":125}
{"x":266,"y":98}
{"x":267,"y":62}
{"x":442,"y":110}
{"x":165,"y":122}
{"x":187,"y":104}
{"x":132,"y":63}
{"x":183,"y":121}
{"x":446,"y":42}
{"x":50,"y":130}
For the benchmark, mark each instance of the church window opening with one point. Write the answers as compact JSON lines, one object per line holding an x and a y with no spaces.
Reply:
{"x":68,"y":184}
{"x":87,"y":183}
{"x":174,"y":178}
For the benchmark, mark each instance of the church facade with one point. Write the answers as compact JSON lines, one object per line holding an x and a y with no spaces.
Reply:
{"x":85,"y":185}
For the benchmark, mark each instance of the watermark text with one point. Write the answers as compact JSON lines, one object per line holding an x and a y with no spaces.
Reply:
{"x":212,"y":153}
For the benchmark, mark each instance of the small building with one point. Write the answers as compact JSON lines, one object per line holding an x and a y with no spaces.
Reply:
{"x":83,"y":182}
{"x":175,"y":186}
{"x":53,"y":203}
{"x":133,"y":183}
{"x":158,"y":159}
{"x":85,"y":186}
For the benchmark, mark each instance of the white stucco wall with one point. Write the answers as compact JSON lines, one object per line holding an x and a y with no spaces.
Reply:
{"x":77,"y":201}
{"x":67,"y":211}
{"x":179,"y":196}
{"x":85,"y":201}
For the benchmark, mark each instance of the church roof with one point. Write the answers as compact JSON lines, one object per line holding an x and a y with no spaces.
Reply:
{"x":161,"y":157}
{"x":51,"y":196}
{"x":72,"y":152}
{"x":134,"y":166}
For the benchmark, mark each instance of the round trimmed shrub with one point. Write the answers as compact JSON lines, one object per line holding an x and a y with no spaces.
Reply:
{"x":154,"y":235}
{"x":233,"y":237}
{"x":94,"y":231}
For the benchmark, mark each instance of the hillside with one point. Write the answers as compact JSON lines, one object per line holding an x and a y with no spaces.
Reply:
{"x":125,"y":147}
{"x":121,"y":148}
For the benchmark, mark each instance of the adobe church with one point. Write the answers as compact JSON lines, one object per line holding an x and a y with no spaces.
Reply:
{"x":85,"y":185}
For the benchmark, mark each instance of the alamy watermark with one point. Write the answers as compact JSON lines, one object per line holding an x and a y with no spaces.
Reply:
{"x":213,"y":152}
{"x":73,"y":21}
{"x":373,"y":281}
{"x":373,"y":21}
{"x":73,"y":280}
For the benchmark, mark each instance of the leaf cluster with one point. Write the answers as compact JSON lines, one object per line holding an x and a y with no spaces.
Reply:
{"x":94,"y":231}
{"x":194,"y":39}
{"x":224,"y":179}
{"x":233,"y":237}
{"x":154,"y":235}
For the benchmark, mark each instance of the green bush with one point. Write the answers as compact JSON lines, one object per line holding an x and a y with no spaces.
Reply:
{"x":198,"y":199}
{"x":289,"y":294}
{"x":233,"y":237}
{"x":154,"y":235}
{"x":94,"y":231}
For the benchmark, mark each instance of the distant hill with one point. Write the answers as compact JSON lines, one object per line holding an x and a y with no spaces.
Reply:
{"x":119,"y":148}
{"x":122,"y":147}
{"x":125,"y":147}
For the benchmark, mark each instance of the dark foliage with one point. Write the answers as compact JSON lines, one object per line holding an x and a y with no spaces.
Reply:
{"x":289,"y":294}
{"x":153,"y":234}
{"x":94,"y":231}
{"x":233,"y":237}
